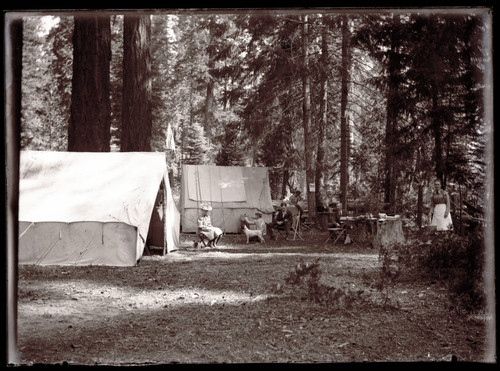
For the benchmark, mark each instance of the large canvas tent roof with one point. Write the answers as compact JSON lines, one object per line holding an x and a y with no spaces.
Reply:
{"x":232,"y":191}
{"x":91,"y":208}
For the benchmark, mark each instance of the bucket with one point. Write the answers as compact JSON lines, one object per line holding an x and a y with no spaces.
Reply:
{"x":430,"y":228}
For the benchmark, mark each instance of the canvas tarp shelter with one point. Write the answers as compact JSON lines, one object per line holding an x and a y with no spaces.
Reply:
{"x":232,"y":191}
{"x":83,"y":208}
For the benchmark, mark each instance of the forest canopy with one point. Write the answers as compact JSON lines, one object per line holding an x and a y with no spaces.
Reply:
{"x":372,"y":105}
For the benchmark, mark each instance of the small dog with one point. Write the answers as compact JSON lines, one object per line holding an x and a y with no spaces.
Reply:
{"x":253,"y":233}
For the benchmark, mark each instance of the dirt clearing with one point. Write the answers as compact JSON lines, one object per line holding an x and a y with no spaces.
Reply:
{"x":231,"y":305}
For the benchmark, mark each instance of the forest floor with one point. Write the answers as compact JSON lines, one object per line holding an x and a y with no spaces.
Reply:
{"x":232,"y":305}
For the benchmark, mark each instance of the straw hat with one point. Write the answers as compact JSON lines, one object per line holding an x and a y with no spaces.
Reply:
{"x":205,"y":207}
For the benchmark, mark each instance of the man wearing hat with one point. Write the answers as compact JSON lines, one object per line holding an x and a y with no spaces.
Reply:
{"x":206,"y":229}
{"x":282,"y":220}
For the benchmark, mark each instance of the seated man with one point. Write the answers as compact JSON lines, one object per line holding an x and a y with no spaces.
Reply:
{"x":282,"y":220}
{"x":206,"y":229}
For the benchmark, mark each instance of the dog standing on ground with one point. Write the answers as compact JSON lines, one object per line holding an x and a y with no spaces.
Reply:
{"x":253,"y":233}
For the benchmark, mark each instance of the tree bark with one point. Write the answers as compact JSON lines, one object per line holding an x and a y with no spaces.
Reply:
{"x":209,"y":99}
{"x":285,"y":177}
{"x":306,"y":119}
{"x":437,"y":131}
{"x":344,"y":130}
{"x":420,"y":190}
{"x":392,"y":114}
{"x":90,"y":118}
{"x":137,"y":85}
{"x":320,"y":154}
{"x":13,"y":98}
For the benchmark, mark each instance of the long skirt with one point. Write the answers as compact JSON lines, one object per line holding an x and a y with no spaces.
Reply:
{"x":438,"y":219}
{"x":211,"y":232}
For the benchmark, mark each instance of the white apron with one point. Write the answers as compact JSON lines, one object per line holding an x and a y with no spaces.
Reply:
{"x":438,"y":219}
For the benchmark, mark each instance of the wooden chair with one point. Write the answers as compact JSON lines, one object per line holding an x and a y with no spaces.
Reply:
{"x":335,"y":233}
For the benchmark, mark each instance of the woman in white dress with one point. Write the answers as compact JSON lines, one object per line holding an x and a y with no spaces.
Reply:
{"x":440,"y":208}
{"x":206,"y":229}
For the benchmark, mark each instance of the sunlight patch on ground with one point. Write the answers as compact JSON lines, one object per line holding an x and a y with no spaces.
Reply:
{"x":366,"y":259}
{"x":72,"y":297}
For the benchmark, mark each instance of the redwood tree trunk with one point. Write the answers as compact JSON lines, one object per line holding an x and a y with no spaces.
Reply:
{"x":306,"y":122}
{"x":320,"y":154}
{"x":137,"y":87}
{"x":90,"y":119}
{"x":344,"y":130}
{"x":392,"y":114}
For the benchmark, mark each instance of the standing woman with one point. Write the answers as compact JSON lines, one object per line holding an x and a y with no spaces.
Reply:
{"x":440,"y":208}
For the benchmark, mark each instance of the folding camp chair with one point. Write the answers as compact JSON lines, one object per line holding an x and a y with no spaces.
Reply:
{"x":305,"y":224}
{"x":296,"y":227}
{"x":280,"y":229}
{"x":335,"y":234}
{"x":202,"y":240}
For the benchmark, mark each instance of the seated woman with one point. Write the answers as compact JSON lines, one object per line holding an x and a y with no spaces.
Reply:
{"x":206,"y":229}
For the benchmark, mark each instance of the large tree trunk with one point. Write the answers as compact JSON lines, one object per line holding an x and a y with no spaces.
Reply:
{"x":437,"y":131}
{"x":420,"y":189}
{"x":344,"y":130}
{"x":306,"y":120}
{"x":90,"y":121}
{"x":320,"y":154}
{"x":13,"y":93}
{"x":284,"y":183}
{"x":209,"y":99}
{"x":137,"y":87}
{"x":392,"y":114}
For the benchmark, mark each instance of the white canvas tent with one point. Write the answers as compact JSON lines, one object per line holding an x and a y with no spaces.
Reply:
{"x":232,"y":191}
{"x":83,"y":208}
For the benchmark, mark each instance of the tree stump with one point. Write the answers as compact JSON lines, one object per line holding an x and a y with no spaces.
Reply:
{"x":389,"y":232}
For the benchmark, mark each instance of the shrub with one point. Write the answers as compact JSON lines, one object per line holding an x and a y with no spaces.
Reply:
{"x":456,"y":260}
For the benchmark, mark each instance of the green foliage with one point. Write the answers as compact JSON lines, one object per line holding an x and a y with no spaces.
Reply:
{"x":248,"y":67}
{"x":195,"y":145}
{"x":231,"y":151}
{"x":45,"y":90}
{"x":456,"y":260}
{"x":460,"y":261}
{"x":438,"y":106}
